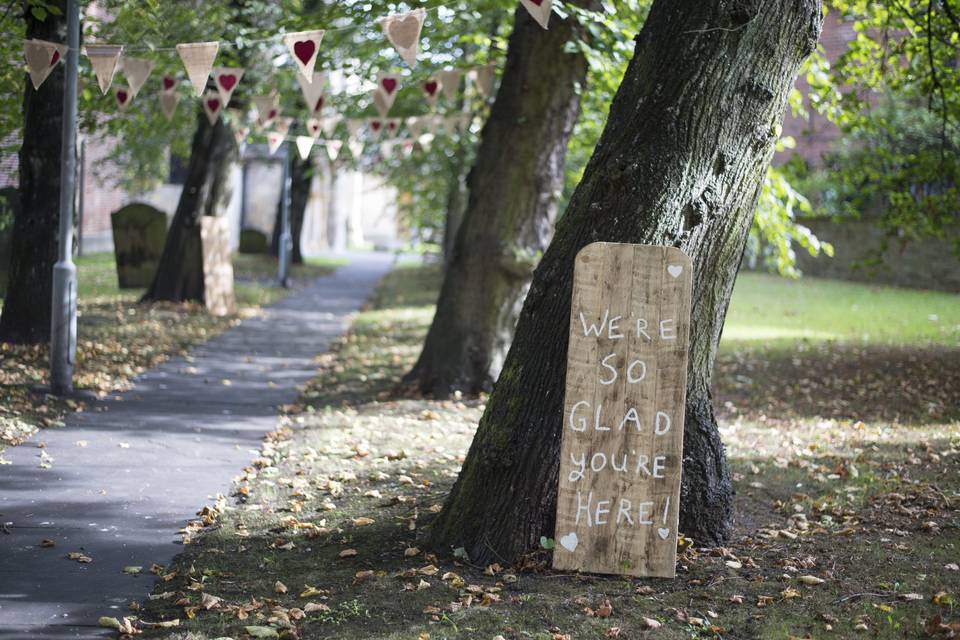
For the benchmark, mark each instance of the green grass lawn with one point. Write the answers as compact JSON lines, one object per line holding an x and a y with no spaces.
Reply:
{"x":846,"y":474}
{"x":773,"y":311}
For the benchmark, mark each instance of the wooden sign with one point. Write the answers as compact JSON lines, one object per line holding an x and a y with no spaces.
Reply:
{"x":622,"y":445}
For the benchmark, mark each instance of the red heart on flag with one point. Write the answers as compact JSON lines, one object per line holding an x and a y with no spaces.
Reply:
{"x":314,"y":128}
{"x":272,"y":114}
{"x":228,"y":81}
{"x":392,"y":126}
{"x":389,"y":85}
{"x":304,"y":49}
{"x":213,"y":104}
{"x":375,"y":125}
{"x":431,"y":87}
{"x":122,"y":97}
{"x":168,"y":83}
{"x":55,"y":58}
{"x":319,"y":104}
{"x":537,"y":2}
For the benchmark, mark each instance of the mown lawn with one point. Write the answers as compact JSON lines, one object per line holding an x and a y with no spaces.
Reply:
{"x":117,"y":338}
{"x":847,"y":518}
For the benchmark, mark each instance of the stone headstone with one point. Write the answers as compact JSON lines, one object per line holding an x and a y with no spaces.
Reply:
{"x":253,"y":241}
{"x":9,"y":206}
{"x":139,"y":232}
{"x":622,"y":444}
{"x":217,"y":267}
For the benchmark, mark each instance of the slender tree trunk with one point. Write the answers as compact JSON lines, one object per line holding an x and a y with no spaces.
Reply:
{"x":514,"y":187}
{"x":301,"y":177}
{"x":681,"y":161}
{"x":206,"y":192}
{"x":29,"y":297}
{"x":456,"y":201}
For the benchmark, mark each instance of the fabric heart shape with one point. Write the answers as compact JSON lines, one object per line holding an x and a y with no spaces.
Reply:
{"x":317,"y":107}
{"x":227,"y":81}
{"x":663,"y":533}
{"x":431,"y":87}
{"x":55,"y":58}
{"x":213,"y":104}
{"x":168,"y":83}
{"x":675,"y":270}
{"x":404,"y":31}
{"x":375,"y":125}
{"x":537,"y":2}
{"x":122,"y":96}
{"x":570,"y":541}
{"x":272,"y":114}
{"x":304,"y":50}
{"x":389,"y":85}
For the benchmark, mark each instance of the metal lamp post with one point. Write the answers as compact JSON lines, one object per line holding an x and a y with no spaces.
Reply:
{"x":286,"y":238}
{"x":63,"y":324}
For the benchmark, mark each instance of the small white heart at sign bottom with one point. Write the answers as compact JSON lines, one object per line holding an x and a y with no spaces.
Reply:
{"x":675,"y":270}
{"x":663,"y":533}
{"x":569,"y":541}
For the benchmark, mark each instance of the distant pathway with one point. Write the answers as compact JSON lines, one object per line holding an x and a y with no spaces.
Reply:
{"x":151,"y":459}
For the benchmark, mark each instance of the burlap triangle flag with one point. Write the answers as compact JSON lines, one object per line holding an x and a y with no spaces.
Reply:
{"x":389,"y":85}
{"x":282,"y":125}
{"x":227,"y":79}
{"x":414,"y":126}
{"x":380,"y":102}
{"x":198,"y":60}
{"x":330,"y":123}
{"x":431,"y":90}
{"x":450,"y":82}
{"x":375,"y":126}
{"x":483,"y":78}
{"x":168,"y":104}
{"x":356,"y":148}
{"x":304,"y":145}
{"x":333,"y":149}
{"x":403,"y":32}
{"x":212,"y":106}
{"x":392,"y":125}
{"x":268,"y":108}
{"x":124,"y":96}
{"x":539,"y":9}
{"x":274,"y":140}
{"x":103,"y":59}
{"x":312,"y":88}
{"x":304,"y":46}
{"x":137,"y":71}
{"x":314,"y":127}
{"x":42,"y":57}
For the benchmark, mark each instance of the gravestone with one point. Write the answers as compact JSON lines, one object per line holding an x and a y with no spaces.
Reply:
{"x":622,"y":443}
{"x":217,"y":267}
{"x":9,"y":206}
{"x":253,"y":241}
{"x":139,"y":232}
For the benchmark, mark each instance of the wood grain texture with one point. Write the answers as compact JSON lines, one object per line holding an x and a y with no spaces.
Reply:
{"x":619,"y":487}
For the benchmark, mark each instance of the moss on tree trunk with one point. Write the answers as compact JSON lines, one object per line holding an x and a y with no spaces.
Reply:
{"x":681,"y":161}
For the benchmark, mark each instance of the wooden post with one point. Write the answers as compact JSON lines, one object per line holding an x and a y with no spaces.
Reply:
{"x":622,"y":443}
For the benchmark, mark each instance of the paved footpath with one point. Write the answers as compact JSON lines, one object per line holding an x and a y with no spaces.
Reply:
{"x":153,"y":457}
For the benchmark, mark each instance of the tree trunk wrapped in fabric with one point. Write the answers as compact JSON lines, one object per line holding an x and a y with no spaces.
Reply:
{"x":206,"y":192}
{"x":29,"y":298}
{"x":514,"y":187}
{"x":680,"y":163}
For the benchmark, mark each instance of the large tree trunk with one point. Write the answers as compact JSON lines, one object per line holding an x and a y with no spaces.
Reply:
{"x":514,"y":187}
{"x":456,"y":201}
{"x":680,"y":163}
{"x":301,"y":177}
{"x":29,"y":297}
{"x":206,"y":192}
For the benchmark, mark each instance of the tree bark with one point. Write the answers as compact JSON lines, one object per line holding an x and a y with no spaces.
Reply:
{"x":514,"y":188}
{"x":206,"y":192}
{"x":456,"y":202}
{"x":681,"y":162}
{"x":301,"y":177}
{"x":34,"y":243}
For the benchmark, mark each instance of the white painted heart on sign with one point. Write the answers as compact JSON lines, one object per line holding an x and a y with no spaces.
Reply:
{"x":675,"y":270}
{"x":663,"y":533}
{"x":569,"y":541}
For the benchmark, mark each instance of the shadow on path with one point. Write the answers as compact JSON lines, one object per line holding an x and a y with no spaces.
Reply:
{"x":128,"y":473}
